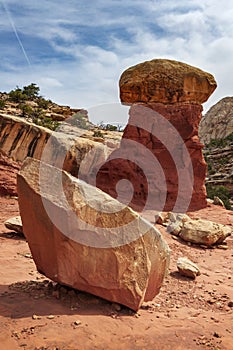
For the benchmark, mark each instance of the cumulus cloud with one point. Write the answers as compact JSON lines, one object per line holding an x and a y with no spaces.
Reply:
{"x":77,"y":54}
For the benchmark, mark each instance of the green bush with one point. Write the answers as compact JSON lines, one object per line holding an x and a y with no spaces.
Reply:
{"x":220,"y":143}
{"x":98,"y":133}
{"x":2,"y":104}
{"x":110,"y":127}
{"x":46,"y":122}
{"x":31,"y":91}
{"x":17,"y":95}
{"x":26,"y":111}
{"x":43,"y":103}
{"x":219,"y":191}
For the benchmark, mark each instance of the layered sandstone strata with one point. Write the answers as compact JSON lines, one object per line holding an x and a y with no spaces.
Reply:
{"x":160,"y":153}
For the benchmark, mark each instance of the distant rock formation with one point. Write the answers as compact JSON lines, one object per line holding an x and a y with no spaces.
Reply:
{"x":165,"y":98}
{"x":96,"y":244}
{"x":217,"y":123}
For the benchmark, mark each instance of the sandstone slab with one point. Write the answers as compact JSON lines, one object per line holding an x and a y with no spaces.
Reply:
{"x":187,"y":268}
{"x":204,"y":232}
{"x":83,"y":238}
{"x":199,"y":231}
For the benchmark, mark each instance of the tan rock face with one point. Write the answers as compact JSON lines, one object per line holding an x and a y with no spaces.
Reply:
{"x":217,"y":123}
{"x":20,"y":139}
{"x":165,"y":81}
{"x":87,"y":240}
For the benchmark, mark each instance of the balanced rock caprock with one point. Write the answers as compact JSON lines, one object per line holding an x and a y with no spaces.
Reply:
{"x":83,"y":238}
{"x":160,"y":152}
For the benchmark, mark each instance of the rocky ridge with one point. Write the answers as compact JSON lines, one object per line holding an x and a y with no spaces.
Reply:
{"x":217,"y":123}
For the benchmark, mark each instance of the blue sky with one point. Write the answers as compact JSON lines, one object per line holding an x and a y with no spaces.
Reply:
{"x":76,"y":50}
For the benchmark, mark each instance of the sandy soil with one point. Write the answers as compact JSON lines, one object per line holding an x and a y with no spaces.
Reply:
{"x":38,"y":314}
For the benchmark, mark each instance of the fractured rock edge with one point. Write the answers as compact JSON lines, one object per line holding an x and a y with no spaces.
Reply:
{"x":127,"y":274}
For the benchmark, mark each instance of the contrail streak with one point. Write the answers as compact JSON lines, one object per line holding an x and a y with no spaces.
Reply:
{"x":16,"y":32}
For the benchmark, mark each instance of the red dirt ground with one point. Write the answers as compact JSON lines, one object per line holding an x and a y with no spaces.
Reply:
{"x":38,"y":314}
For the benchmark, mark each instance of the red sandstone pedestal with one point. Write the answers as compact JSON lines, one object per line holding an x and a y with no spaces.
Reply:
{"x":160,"y":155}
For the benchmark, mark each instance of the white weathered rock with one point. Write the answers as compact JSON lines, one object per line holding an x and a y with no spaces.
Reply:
{"x":14,"y":224}
{"x":204,"y":232}
{"x":175,"y":222}
{"x":187,"y":268}
{"x":81,"y":237}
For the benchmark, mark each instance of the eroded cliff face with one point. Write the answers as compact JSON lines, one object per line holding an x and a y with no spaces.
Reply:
{"x":20,"y":139}
{"x":66,"y":149}
{"x":217,"y":123}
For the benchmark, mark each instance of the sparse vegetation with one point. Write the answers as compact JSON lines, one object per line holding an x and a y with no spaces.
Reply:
{"x":17,"y":95}
{"x":110,"y":127}
{"x":220,"y":143}
{"x":2,"y":104}
{"x":31,"y":91}
{"x":219,"y":191}
{"x":46,"y":122}
{"x":43,"y":103}
{"x":26,"y":110}
{"x":98,"y":133}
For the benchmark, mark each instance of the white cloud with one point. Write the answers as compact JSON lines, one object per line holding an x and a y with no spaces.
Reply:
{"x":92,"y":46}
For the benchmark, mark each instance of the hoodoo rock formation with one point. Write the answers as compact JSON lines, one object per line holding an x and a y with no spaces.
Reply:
{"x":160,"y":152}
{"x":88,"y":240}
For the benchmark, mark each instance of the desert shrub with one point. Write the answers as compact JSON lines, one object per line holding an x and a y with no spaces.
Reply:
{"x":219,"y":191}
{"x":220,"y":143}
{"x":26,"y":111}
{"x":230,"y":137}
{"x":110,"y":127}
{"x":98,"y":133}
{"x":17,"y":95}
{"x":43,"y":103}
{"x":31,"y":91}
{"x":2,"y":104}
{"x":46,"y":122}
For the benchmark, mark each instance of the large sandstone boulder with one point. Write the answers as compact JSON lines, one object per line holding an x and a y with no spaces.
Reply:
{"x":165,"y":81}
{"x":198,"y":231}
{"x":160,"y":152}
{"x":81,"y":237}
{"x":204,"y":232}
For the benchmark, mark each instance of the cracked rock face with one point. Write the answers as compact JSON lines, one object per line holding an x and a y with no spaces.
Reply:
{"x":165,"y":81}
{"x":85,"y":239}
